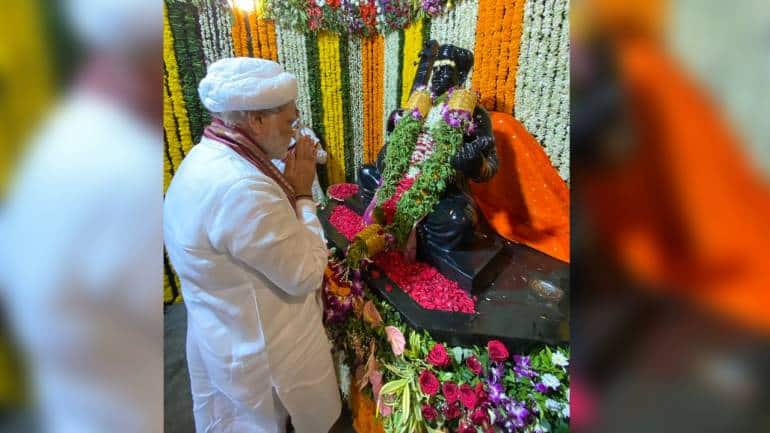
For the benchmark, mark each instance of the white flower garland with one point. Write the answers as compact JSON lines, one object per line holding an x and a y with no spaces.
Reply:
{"x":214,"y":19}
{"x":292,"y":55}
{"x":458,"y":26}
{"x":391,"y":76}
{"x":356,"y":101}
{"x":542,"y":80}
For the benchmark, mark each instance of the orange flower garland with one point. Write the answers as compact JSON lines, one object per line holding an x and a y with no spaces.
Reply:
{"x":373,"y":76}
{"x":517,"y":27}
{"x":254,"y":25}
{"x":498,"y":40}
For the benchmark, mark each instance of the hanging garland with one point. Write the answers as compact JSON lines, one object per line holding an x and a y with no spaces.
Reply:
{"x":392,"y":74}
{"x":360,"y":17}
{"x":176,"y":100}
{"x":542,"y":83}
{"x":355,"y":63}
{"x":412,"y":44}
{"x":329,"y":57}
{"x":294,"y":57}
{"x":347,"y":121}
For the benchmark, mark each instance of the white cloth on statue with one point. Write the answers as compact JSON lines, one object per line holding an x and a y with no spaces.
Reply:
{"x":81,"y":264}
{"x":251,"y":268}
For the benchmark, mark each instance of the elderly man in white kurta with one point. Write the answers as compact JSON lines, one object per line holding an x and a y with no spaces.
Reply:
{"x":250,"y":253}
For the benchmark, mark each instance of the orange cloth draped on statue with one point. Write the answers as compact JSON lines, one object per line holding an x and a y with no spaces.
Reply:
{"x":526,"y":201}
{"x":686,"y":211}
{"x":363,"y":409}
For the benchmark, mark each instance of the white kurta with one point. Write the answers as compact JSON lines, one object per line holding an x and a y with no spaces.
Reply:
{"x":251,"y":269}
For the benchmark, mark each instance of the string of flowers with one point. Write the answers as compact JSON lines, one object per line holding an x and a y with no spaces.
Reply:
{"x":293,"y":56}
{"x":360,"y":17}
{"x":176,"y":101}
{"x":347,"y":121}
{"x":400,"y":71}
{"x":329,"y":55}
{"x":356,"y":101}
{"x":412,"y":46}
{"x":458,"y":26}
{"x":183,"y":21}
{"x":540,"y":99}
{"x":392,"y":73}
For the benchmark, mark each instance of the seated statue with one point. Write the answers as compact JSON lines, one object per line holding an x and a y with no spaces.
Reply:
{"x":449,"y":216}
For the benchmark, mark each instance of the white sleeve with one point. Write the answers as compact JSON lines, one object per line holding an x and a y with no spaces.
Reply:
{"x":256,"y":225}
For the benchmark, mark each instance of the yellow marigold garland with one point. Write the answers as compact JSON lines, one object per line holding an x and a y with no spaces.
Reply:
{"x":379,"y":83}
{"x":412,"y":46}
{"x":254,"y":32}
{"x":329,"y":57}
{"x":175,"y":102}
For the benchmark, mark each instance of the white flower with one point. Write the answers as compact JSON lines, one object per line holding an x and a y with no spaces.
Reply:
{"x":565,"y":411}
{"x":553,"y":405}
{"x":558,"y":359}
{"x":550,"y":381}
{"x":320,"y":3}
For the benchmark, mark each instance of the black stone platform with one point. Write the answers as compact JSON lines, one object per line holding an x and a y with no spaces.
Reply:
{"x":511,"y":308}
{"x":473,"y":265}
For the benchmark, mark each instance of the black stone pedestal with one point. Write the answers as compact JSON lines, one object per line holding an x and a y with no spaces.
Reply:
{"x":525,"y":305}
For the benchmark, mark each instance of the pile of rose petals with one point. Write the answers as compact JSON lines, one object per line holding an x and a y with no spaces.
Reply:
{"x":430,"y":289}
{"x":347,"y":222}
{"x":425,"y":284}
{"x":342,"y":191}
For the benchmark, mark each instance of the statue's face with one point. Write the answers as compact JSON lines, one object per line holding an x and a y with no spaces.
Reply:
{"x":443,"y":77}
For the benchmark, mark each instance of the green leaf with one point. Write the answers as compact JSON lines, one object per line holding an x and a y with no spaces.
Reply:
{"x":457,"y":353}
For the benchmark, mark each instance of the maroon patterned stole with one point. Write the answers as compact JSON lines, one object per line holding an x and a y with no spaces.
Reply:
{"x":237,"y":140}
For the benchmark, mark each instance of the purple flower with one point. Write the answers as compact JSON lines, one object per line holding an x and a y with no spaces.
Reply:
{"x":497,"y":393}
{"x":522,"y":366}
{"x":416,"y":114}
{"x":496,"y":372}
{"x":542,"y":389}
{"x":432,"y":7}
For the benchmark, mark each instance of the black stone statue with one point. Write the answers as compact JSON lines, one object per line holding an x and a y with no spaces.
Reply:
{"x":452,"y":221}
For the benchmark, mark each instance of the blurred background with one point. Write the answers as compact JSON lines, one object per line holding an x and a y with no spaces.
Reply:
{"x":671,"y":215}
{"x":80,"y":216}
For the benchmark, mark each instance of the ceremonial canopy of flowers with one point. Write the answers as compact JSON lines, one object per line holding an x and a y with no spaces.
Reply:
{"x":421,"y":385}
{"x":365,"y":17}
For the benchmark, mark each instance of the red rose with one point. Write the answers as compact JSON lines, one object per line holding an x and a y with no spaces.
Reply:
{"x":333,"y":3}
{"x":480,"y":417}
{"x":468,"y":396}
{"x":466,"y":428}
{"x":429,"y":413}
{"x":438,"y":356}
{"x":481,"y":395}
{"x":497,"y":351}
{"x":428,"y":383}
{"x":474,"y":365}
{"x":452,"y":412}
{"x":451,"y":392}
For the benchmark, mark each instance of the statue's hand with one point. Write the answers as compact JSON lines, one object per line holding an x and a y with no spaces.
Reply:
{"x":469,"y":159}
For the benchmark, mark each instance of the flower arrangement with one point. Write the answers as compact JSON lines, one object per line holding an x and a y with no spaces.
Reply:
{"x":360,"y":17}
{"x":420,"y":384}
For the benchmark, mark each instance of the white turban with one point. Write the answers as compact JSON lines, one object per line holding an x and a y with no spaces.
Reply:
{"x":246,"y":83}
